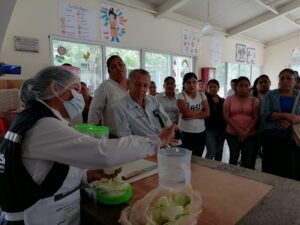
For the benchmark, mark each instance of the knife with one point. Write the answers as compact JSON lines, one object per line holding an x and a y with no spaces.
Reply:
{"x":138,"y":172}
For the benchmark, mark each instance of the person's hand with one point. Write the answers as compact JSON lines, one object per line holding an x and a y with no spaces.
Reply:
{"x":166,"y":135}
{"x":93,"y":175}
{"x":284,"y":124}
{"x":293,"y":118}
{"x":242,"y":136}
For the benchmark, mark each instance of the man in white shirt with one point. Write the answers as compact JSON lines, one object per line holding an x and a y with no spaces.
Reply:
{"x":108,"y":93}
{"x":138,"y":113}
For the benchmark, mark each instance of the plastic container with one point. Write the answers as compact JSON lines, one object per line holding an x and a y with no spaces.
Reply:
{"x":115,"y":200}
{"x":82,"y":128}
{"x":99,"y":131}
{"x":174,"y":167}
{"x":93,"y":130}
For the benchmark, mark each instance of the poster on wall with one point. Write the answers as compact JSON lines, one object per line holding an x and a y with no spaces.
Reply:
{"x":112,"y":23}
{"x":241,"y":53}
{"x":77,"y":22}
{"x":251,"y":55}
{"x":191,"y":42}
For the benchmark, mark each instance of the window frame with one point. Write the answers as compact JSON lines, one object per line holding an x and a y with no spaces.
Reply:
{"x":104,"y":45}
{"x":85,"y":42}
{"x":194,"y":60}
{"x":251,"y":76}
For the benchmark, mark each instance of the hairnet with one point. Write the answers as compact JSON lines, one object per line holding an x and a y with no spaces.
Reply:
{"x":50,"y":80}
{"x":25,"y":90}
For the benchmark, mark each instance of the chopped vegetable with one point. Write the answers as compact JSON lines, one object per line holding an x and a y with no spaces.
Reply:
{"x":173,"y":209}
{"x":110,"y":187}
{"x":111,"y":171}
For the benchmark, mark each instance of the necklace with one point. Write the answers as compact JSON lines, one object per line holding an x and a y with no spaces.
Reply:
{"x":241,"y":104}
{"x":241,"y":108}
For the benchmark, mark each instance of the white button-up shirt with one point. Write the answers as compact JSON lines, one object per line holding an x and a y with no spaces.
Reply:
{"x":133,"y":119}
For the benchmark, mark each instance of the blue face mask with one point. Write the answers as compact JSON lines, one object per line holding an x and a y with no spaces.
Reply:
{"x":74,"y":106}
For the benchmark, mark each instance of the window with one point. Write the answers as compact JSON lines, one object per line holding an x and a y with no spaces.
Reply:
{"x":225,"y":72}
{"x":181,"y":65}
{"x":88,"y":57}
{"x":233,"y":71}
{"x":245,"y":71}
{"x":296,"y":67}
{"x":159,"y":67}
{"x":256,"y":72}
{"x":130,"y":57}
{"x":221,"y":77}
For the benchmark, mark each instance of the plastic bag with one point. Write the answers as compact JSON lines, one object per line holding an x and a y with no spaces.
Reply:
{"x":143,"y":209}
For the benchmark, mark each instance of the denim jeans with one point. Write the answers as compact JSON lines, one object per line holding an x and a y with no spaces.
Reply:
{"x":214,"y":144}
{"x":281,"y":156}
{"x":248,"y":149}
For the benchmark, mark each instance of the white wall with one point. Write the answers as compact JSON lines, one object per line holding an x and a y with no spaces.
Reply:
{"x":228,"y":46}
{"x":6,"y":9}
{"x":39,"y":18}
{"x":278,"y":57}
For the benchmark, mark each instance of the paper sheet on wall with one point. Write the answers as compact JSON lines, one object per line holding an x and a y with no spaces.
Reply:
{"x":191,"y":42}
{"x":77,"y":22}
{"x":112,"y":22}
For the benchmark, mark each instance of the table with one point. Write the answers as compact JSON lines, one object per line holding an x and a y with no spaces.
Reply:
{"x":274,"y":200}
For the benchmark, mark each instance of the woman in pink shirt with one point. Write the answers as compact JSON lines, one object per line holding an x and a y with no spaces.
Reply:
{"x":241,"y":112}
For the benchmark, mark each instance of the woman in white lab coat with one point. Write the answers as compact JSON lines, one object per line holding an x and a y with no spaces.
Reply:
{"x":50,"y":155}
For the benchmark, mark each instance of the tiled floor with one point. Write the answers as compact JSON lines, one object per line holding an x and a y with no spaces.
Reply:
{"x":225,"y":157}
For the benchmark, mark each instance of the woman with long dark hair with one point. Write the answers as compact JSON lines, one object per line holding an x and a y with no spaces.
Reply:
{"x":215,"y":123}
{"x":241,"y":112}
{"x":193,"y":109}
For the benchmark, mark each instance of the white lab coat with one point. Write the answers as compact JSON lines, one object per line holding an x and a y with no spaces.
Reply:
{"x":52,"y":140}
{"x":107,"y":94}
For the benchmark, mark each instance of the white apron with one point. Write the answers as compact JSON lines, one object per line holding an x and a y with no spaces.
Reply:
{"x":61,"y":209}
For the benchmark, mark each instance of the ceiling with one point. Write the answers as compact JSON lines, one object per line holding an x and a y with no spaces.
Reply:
{"x":261,"y":20}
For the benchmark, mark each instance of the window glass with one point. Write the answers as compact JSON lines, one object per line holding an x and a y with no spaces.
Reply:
{"x":245,"y":71}
{"x":256,"y":72}
{"x":297,"y":68}
{"x":232,"y":73}
{"x":221,"y":77}
{"x":181,"y":66}
{"x":87,"y":57}
{"x":130,"y":57}
{"x":159,"y":67}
